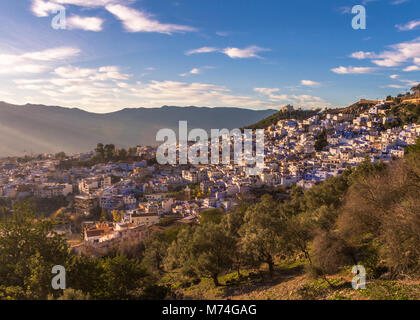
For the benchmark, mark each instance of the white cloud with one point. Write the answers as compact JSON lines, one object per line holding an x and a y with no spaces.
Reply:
{"x":202,"y":50}
{"x":42,"y":8}
{"x":158,"y":93}
{"x":132,"y":19}
{"x":266,"y":91}
{"x":231,"y":52}
{"x":23,"y":68}
{"x":411,"y":68}
{"x":222,"y":34}
{"x":192,"y":71}
{"x":59,"y":53}
{"x":249,"y":52}
{"x":408,"y":26}
{"x":399,"y":53}
{"x":345,"y":10}
{"x":396,"y":86}
{"x":74,"y":85}
{"x":303,"y":100}
{"x":35,"y":61}
{"x":100,"y":74}
{"x":397,"y":2}
{"x":90,"y":3}
{"x":353,"y":70}
{"x":310,"y":83}
{"x":394,"y":76}
{"x":85,"y":23}
{"x":362,"y":55}
{"x":139,"y":21}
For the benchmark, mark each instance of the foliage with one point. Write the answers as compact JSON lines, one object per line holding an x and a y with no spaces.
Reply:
{"x":205,"y":252}
{"x":211,"y":216}
{"x":283,"y":115}
{"x":261,"y":232}
{"x":29,"y":248}
{"x":321,"y":141}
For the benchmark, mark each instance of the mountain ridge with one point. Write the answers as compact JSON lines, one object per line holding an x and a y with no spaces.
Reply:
{"x":40,"y":128}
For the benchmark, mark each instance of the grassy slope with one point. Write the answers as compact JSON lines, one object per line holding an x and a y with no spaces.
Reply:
{"x":290,"y":282}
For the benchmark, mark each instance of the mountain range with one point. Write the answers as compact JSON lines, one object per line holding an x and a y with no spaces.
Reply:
{"x":34,"y":128}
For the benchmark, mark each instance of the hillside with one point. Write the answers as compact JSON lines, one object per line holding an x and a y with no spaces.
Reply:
{"x":283,"y":115}
{"x":356,"y":108}
{"x":50,"y":129}
{"x":368,"y":216}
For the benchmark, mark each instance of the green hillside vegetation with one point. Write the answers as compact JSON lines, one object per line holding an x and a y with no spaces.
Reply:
{"x":283,"y":115}
{"x":367,"y":216}
{"x":302,"y":247}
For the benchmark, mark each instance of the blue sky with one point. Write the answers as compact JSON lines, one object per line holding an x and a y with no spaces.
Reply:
{"x":261,"y":54}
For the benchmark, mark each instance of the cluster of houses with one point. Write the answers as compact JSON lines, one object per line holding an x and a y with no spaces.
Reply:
{"x":138,"y":195}
{"x":290,"y":146}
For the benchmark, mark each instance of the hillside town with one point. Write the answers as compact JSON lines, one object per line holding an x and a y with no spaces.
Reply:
{"x":124,"y":201}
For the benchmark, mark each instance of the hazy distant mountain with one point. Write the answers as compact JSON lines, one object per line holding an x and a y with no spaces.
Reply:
{"x":40,"y":128}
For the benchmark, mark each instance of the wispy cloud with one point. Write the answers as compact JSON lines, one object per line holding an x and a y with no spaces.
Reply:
{"x":411,"y":68}
{"x":310,"y":83}
{"x":222,"y":34}
{"x":345,"y":10}
{"x":304,"y":100}
{"x":101,"y":74}
{"x":397,"y":54}
{"x":139,"y":21}
{"x":231,"y":52}
{"x":41,"y":8}
{"x":202,"y":50}
{"x":192,"y":71}
{"x":249,"y":52}
{"x":132,"y":19}
{"x":397,"y":2}
{"x":85,"y":23}
{"x":35,"y":61}
{"x":395,"y":86}
{"x":362,"y":55}
{"x":408,"y":26}
{"x":353,"y":70}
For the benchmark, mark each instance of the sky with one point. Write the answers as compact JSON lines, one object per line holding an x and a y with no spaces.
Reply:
{"x":108,"y":55}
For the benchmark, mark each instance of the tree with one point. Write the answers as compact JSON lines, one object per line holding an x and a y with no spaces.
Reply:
{"x":71,"y":294}
{"x":416,"y":89}
{"x":211,"y":251}
{"x":211,"y":216}
{"x":100,"y":149}
{"x":205,"y":251}
{"x":29,"y":248}
{"x":380,"y":217}
{"x":116,"y":215}
{"x":109,"y":150}
{"x":85,"y":275}
{"x":122,"y":154}
{"x":122,"y":277}
{"x":60,"y":155}
{"x":321,"y":141}
{"x":104,"y":215}
{"x":233,"y":223}
{"x":261,"y":233}
{"x":156,"y":247}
